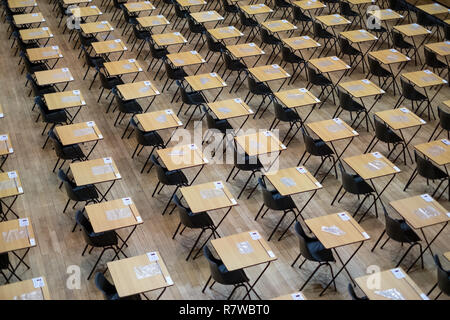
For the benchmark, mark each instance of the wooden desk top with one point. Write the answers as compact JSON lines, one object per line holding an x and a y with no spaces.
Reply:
{"x":337,"y":230}
{"x":230,"y":108}
{"x":54,"y":76}
{"x":110,"y":46}
{"x":333,"y":20}
{"x":245,"y":50}
{"x":358,"y":2}
{"x":332,"y":130}
{"x":269,"y":73}
{"x":358,"y":36}
{"x":94,"y":171}
{"x":243,"y":250}
{"x":139,"y":274}
{"x":78,"y":133}
{"x":395,"y":283}
{"x":206,"y":16}
{"x":361,"y":88}
{"x":329,"y":64}
{"x":259,"y":143}
{"x":17,"y":234}
{"x":69,"y":2}
{"x":225,"y":33}
{"x":139,"y":6}
{"x":385,"y":14}
{"x":44,"y":53}
{"x":184,"y":59}
{"x":447,"y":255}
{"x":28,"y":18}
{"x":152,"y":21}
{"x":122,"y":67}
{"x":389,"y":56}
{"x":309,"y":4}
{"x":412,"y":30}
{"x":278,"y":25}
{"x":182,"y":157}
{"x":440,"y":48}
{"x":253,"y":9}
{"x":424,"y":78}
{"x":84,"y":12}
{"x":438,"y":151}
{"x":190,"y":3}
{"x":300,"y":43}
{"x":5,"y":144}
{"x":292,"y":296}
{"x":96,"y":27}
{"x":33,"y":289}
{"x":113,"y":215}
{"x":371,"y":165}
{"x":208,"y":196}
{"x":2,"y":114}
{"x":433,"y":8}
{"x":421,"y":211}
{"x":35,"y":33}
{"x":400,"y":118}
{"x":10,"y":184}
{"x":205,"y":81}
{"x":167,"y":39}
{"x":158,"y":120}
{"x":16,"y":4}
{"x":137,"y":90}
{"x":293,"y":181}
{"x":294,"y":98}
{"x":64,"y":99}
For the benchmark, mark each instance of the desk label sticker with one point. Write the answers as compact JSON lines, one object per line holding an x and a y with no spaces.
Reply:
{"x":255,"y":235}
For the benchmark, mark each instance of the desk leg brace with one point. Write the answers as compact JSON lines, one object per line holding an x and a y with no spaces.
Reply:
{"x":9,"y":209}
{"x":21,"y":260}
{"x":343,"y":267}
{"x":124,"y":243}
{"x":254,"y":283}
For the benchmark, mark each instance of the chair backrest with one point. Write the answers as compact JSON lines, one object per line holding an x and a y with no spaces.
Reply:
{"x":312,"y":75}
{"x":395,"y":229}
{"x":214,"y":264}
{"x":303,"y":241}
{"x":104,"y":79}
{"x":265,"y":36}
{"x":212,"y":45}
{"x":4,"y":261}
{"x":160,"y":170}
{"x":430,"y":58}
{"x":107,"y":288}
{"x":185,"y":214}
{"x":397,"y":38}
{"x":351,"y":183}
{"x":344,"y":45}
{"x":210,"y":121}
{"x":280,"y":112}
{"x":171,"y":72}
{"x":59,"y":149}
{"x":345,"y":100}
{"x":426,"y":168}
{"x":375,"y":68}
{"x":443,"y":276}
{"x":383,"y":132}
{"x":184,"y":95}
{"x":69,"y":186}
{"x":85,"y":225}
{"x":444,"y":118}
{"x":268,"y":199}
{"x":317,"y":29}
{"x":408,"y":90}
{"x":310,"y":144}
{"x":344,"y":8}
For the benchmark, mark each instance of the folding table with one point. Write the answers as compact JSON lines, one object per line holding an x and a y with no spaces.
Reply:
{"x":65,"y":100}
{"x":79,"y":133}
{"x":6,"y":149}
{"x":10,"y":187}
{"x":32,"y":289}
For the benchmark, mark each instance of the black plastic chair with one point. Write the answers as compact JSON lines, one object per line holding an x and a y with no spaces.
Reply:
{"x":298,"y":63}
{"x":51,"y":118}
{"x":108,"y":290}
{"x":188,"y":219}
{"x":286,"y":115}
{"x":348,"y":50}
{"x":257,"y":89}
{"x":426,"y":169}
{"x":347,"y":103}
{"x":172,"y":74}
{"x":195,"y":29}
{"x":92,"y":62}
{"x":181,"y":15}
{"x":168,"y":178}
{"x":129,"y":20}
{"x":353,"y":295}
{"x":145,"y":139}
{"x":232,"y":65}
{"x":444,"y":123}
{"x":329,"y":39}
{"x":117,"y":5}
{"x":84,"y":40}
{"x":385,"y":134}
{"x":318,"y":79}
{"x":270,"y":40}
{"x":400,"y":43}
{"x":399,"y":231}
{"x":433,"y":62}
{"x":299,"y":16}
{"x":31,"y":67}
{"x":87,"y":193}
{"x":223,"y":126}
{"x":125,"y":107}
{"x":106,"y":240}
{"x":157,"y":55}
{"x":220,"y":274}
{"x":71,"y":152}
{"x":375,"y":69}
{"x":38,"y":90}
{"x":108,"y":83}
{"x":443,"y":279}
{"x":273,"y":200}
{"x":317,"y":148}
{"x":140,"y":35}
{"x":312,"y":250}
{"x":411,"y":94}
{"x":346,"y":11}
{"x":244,"y":162}
{"x":248,"y":23}
{"x":191,"y":99}
{"x":229,"y":9}
{"x":213,"y":47}
{"x":354,"y":184}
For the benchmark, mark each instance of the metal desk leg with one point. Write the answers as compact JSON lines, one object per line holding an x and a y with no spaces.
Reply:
{"x":124,"y":243}
{"x":254,"y":283}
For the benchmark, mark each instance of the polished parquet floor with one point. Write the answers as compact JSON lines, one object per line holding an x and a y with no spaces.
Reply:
{"x":58,"y":248}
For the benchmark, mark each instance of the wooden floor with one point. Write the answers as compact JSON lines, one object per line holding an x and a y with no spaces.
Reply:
{"x":57,"y":248}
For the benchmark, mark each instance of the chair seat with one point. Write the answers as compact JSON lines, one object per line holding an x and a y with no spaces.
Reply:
{"x":231,"y":9}
{"x":416,"y":96}
{"x":282,"y":202}
{"x":289,"y":115}
{"x":322,"y":149}
{"x":233,"y":277}
{"x":222,"y":126}
{"x":319,"y":252}
{"x":176,"y":177}
{"x":73,"y":152}
{"x":86,"y":193}
{"x":293,"y":58}
{"x":354,"y":107}
{"x":195,"y":98}
{"x":437,"y":64}
{"x":363,"y":186}
{"x":97,"y":62}
{"x":409,"y":235}
{"x":114,"y":81}
{"x":103,"y":239}
{"x":248,"y":22}
{"x":179,"y":74}
{"x":131,"y":106}
{"x":236,"y":65}
{"x":247,"y":166}
{"x":321,"y":80}
{"x":143,"y":34}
